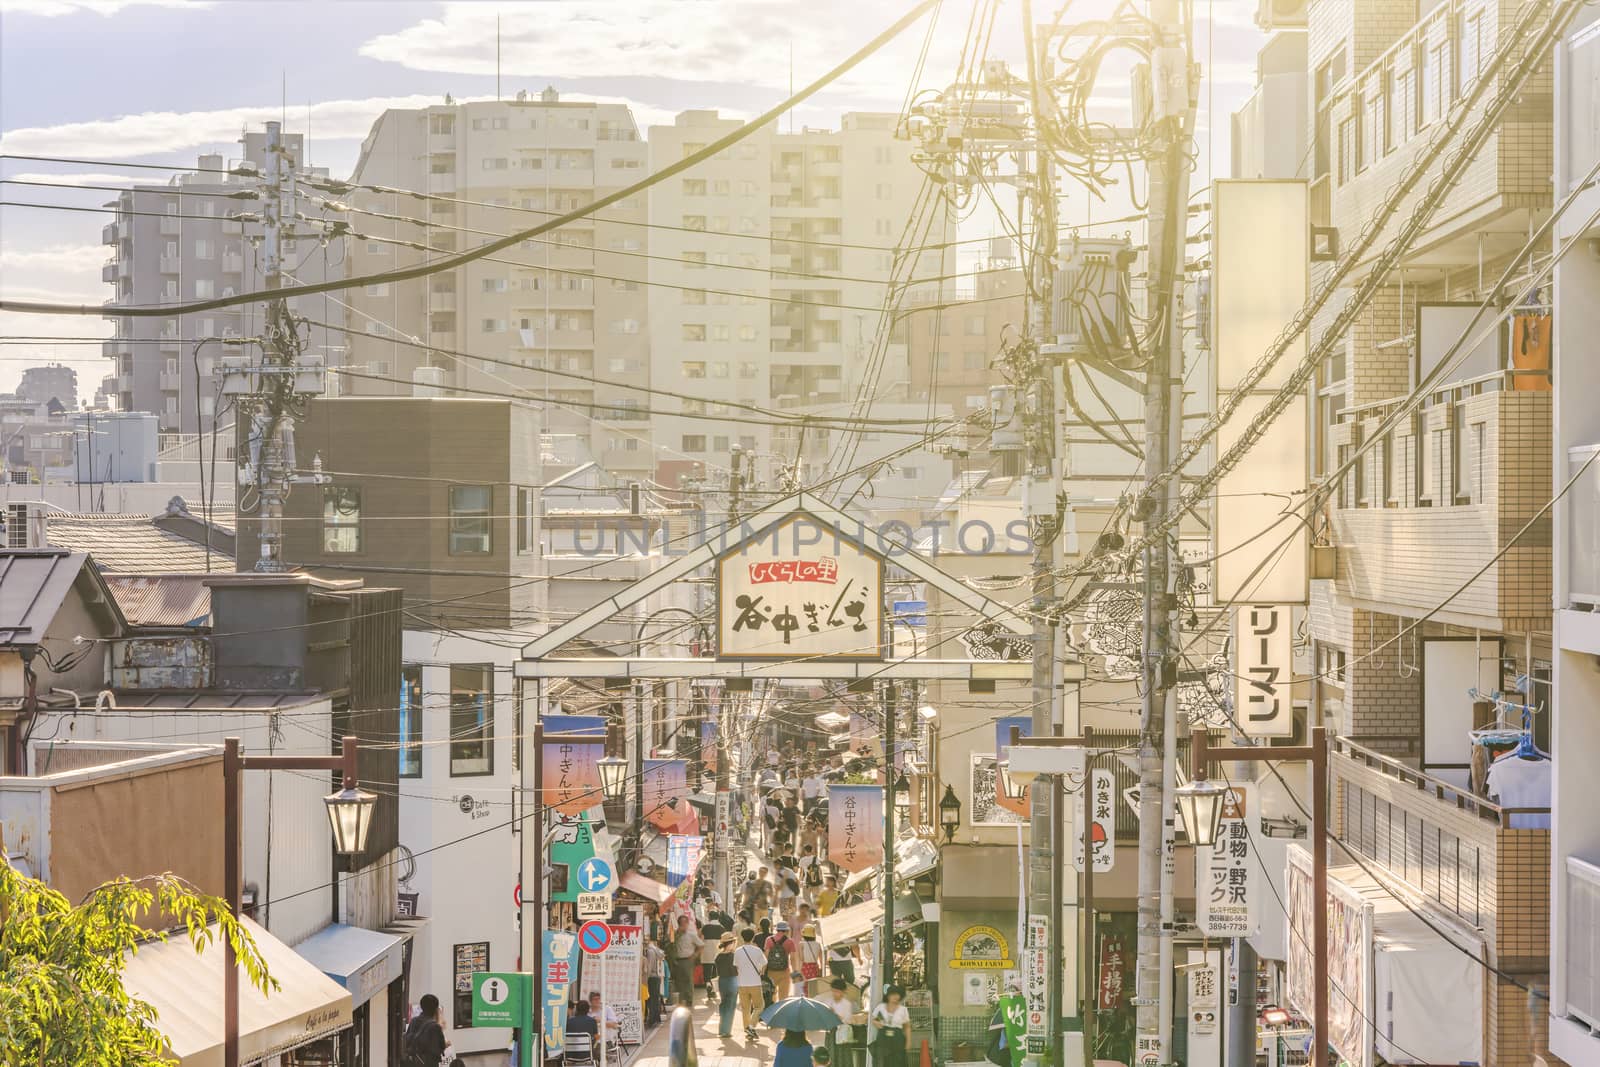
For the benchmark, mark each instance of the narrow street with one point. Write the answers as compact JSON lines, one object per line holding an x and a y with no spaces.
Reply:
{"x":711,"y":1050}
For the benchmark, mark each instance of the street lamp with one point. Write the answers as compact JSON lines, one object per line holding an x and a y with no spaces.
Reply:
{"x":350,"y":816}
{"x":949,"y":813}
{"x":1014,"y":783}
{"x":902,"y":796}
{"x":613,"y":773}
{"x":1200,"y":807}
{"x":927,"y":713}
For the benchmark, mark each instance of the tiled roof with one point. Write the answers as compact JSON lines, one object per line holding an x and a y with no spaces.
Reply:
{"x":33,"y":585}
{"x":133,"y":544}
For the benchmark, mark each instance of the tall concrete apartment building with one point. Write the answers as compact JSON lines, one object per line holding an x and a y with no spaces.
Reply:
{"x":571,"y":303}
{"x":176,"y":243}
{"x":770,"y":267}
{"x":1435,"y":618}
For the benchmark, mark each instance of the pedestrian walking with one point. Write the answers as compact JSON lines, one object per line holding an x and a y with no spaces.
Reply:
{"x":783,"y":963}
{"x":749,"y":963}
{"x":727,"y":983}
{"x":811,"y":954}
{"x":793,"y":1051}
{"x":893,"y":1022}
{"x":842,"y":962}
{"x":654,"y":961}
{"x":681,"y":958}
{"x":423,"y":1043}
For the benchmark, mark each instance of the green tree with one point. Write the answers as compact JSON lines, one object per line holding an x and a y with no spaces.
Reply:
{"x":62,"y":1001}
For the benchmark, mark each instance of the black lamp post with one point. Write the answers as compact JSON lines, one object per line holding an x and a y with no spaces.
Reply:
{"x":613,"y":774}
{"x":949,"y":813}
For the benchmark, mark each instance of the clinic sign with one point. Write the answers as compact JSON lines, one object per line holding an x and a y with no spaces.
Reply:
{"x":800,"y":589}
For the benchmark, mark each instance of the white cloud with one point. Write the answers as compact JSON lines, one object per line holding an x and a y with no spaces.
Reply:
{"x":157,"y":132}
{"x":55,"y":8}
{"x":65,"y":258}
{"x":749,"y":43}
{"x":78,"y":179}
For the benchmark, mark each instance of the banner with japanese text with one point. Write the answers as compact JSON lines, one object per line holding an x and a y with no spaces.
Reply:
{"x":1102,"y":821}
{"x":572,"y":774}
{"x":1002,"y":743}
{"x":666,"y":796}
{"x":559,"y":955}
{"x":708,"y":745}
{"x":620,"y":989}
{"x":864,"y":739}
{"x":855,"y":826}
{"x":683,"y":857}
{"x":1264,"y":640}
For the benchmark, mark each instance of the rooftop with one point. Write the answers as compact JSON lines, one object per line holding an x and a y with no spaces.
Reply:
{"x":133,"y":544}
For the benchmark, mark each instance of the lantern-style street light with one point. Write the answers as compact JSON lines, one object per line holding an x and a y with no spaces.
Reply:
{"x":949,"y":813}
{"x":613,"y":773}
{"x":1200,"y":808}
{"x":350,"y":816}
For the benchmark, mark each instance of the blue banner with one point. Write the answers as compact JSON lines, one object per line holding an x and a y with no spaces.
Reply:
{"x":556,"y":976}
{"x":683,"y":857}
{"x":582,"y":725}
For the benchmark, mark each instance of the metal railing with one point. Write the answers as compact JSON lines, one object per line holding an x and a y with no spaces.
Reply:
{"x":1441,"y":790}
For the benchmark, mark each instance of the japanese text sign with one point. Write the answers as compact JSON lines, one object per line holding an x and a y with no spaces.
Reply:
{"x":800,"y":589}
{"x":1264,"y":640}
{"x":855,"y":826}
{"x":1225,"y":903}
{"x":572,"y":774}
{"x":1102,"y":822}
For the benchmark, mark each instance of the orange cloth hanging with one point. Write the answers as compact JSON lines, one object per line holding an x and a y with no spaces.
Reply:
{"x":1530,"y":353}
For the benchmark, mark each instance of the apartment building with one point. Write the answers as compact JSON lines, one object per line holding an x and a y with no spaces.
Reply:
{"x":560,"y":317}
{"x":952,"y":353}
{"x":179,"y":242}
{"x":1574,"y":1005}
{"x":50,"y":382}
{"x":1436,"y":620}
{"x":769,"y":274}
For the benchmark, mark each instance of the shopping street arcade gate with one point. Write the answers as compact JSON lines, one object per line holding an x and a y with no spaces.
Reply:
{"x":800,"y":595}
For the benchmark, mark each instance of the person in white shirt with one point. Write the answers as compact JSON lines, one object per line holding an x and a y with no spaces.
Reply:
{"x":893,"y":1022}
{"x":811,"y":789}
{"x":845,"y":1009}
{"x":610,"y":1025}
{"x":748,"y":963}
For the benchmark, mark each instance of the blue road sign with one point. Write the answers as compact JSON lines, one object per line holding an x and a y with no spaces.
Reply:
{"x":594,"y":875}
{"x":594,"y":937}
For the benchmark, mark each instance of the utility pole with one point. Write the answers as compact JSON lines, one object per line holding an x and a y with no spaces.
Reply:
{"x":722,"y":870}
{"x":1042,"y":507}
{"x":1172,"y":114}
{"x":889,"y":714}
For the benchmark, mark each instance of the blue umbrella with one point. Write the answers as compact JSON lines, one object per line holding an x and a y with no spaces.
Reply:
{"x":800,"y":1013}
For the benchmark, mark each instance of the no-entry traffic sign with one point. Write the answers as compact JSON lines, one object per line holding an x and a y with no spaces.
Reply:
{"x":594,"y":937}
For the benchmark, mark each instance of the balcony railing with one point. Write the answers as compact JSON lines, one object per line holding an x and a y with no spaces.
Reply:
{"x":1443,"y":840}
{"x":1583,"y":528}
{"x":1583,"y":941}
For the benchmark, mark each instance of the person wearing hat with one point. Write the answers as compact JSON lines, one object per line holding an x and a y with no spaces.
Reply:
{"x":783,"y":961}
{"x":727,"y":982}
{"x":811,"y":954}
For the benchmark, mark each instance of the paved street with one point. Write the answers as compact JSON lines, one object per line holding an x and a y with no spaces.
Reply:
{"x":713,"y":1051}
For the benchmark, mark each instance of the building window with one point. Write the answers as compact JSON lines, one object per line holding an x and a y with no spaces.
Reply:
{"x":975,"y":326}
{"x":1348,"y":149}
{"x":694,"y":442}
{"x":410,"y":727}
{"x":694,"y":331}
{"x":693,"y":368}
{"x":341,"y":519}
{"x":471,"y":719}
{"x":971,"y":360}
{"x":523,"y":526}
{"x":471,"y":529}
{"x":441,"y":124}
{"x":204,"y":249}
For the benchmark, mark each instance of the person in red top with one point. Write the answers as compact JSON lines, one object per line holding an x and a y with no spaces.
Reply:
{"x":783,"y":961}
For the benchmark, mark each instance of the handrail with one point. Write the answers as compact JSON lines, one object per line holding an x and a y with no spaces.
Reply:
{"x":1442,"y":790}
{"x":680,"y":1039}
{"x":1502,"y":379}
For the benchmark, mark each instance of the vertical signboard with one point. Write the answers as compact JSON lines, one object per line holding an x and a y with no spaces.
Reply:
{"x":855,"y":826}
{"x":683,"y":857}
{"x":558,"y":960}
{"x":620,"y":992}
{"x":1225,"y":882}
{"x":1264,"y":647}
{"x":572,"y":774}
{"x":1102,"y":822}
{"x":1002,"y":750}
{"x":666,"y":792}
{"x":1036,"y":980}
{"x":1203,"y":980}
{"x":1260,"y":279}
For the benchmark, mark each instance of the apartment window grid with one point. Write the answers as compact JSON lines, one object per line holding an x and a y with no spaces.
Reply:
{"x":410,"y":721}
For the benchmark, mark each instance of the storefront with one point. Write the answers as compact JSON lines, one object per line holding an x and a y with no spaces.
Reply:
{"x":369,"y":964}
{"x":298,"y":1025}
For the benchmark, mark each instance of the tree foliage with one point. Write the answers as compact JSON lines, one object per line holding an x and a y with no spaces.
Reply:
{"x":62,"y":999}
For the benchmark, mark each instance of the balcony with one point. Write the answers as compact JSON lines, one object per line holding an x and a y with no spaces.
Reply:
{"x":232,"y":263}
{"x":1445,"y":493}
{"x":108,"y":272}
{"x":1377,"y":122}
{"x":1583,"y":941}
{"x":171,"y":226}
{"x":171,"y":381}
{"x":110,"y":233}
{"x":125,"y":383}
{"x":171,"y":264}
{"x":1457,"y":849}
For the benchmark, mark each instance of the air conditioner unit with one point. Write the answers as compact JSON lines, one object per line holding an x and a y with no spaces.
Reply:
{"x":24,"y":527}
{"x":1281,"y":14}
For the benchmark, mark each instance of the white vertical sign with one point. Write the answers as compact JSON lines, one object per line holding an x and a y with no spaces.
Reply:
{"x":1225,"y":874}
{"x":1036,"y":979}
{"x":1264,"y":648}
{"x":1205,"y":1009}
{"x":1102,"y":825}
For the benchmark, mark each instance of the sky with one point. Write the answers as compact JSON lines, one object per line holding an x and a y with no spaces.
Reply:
{"x":163,"y":81}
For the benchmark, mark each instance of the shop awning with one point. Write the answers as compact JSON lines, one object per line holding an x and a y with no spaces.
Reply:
{"x":645,"y":887}
{"x":185,"y":988}
{"x":913,"y":858}
{"x":850,"y":924}
{"x":859,"y":920}
{"x":363,"y":961}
